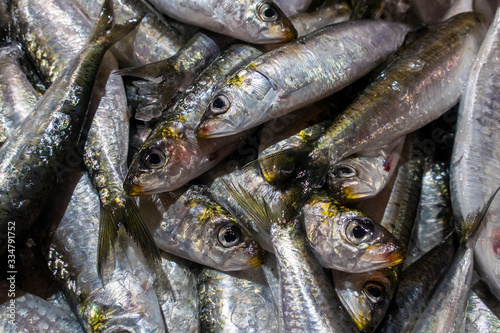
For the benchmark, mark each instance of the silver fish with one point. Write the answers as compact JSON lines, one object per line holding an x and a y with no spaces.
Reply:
{"x":299,"y":73}
{"x":253,"y":21}
{"x":476,"y":152}
{"x":480,"y":318}
{"x":17,"y":96}
{"x":293,"y":7}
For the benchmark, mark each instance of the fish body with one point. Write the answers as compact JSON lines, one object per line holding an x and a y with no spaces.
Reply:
{"x":171,"y":155}
{"x":254,"y":21}
{"x":17,"y":95}
{"x":299,"y":73}
{"x":480,"y":318}
{"x":293,"y":7}
{"x":474,"y":165}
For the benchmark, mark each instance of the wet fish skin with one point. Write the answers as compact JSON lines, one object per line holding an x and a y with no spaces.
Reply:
{"x":32,"y":158}
{"x":181,"y":157}
{"x":236,"y":302}
{"x":480,"y":318}
{"x":17,"y":95}
{"x":128,"y":300}
{"x":254,"y":21}
{"x":192,"y":225}
{"x":316,"y":66}
{"x":293,"y":7}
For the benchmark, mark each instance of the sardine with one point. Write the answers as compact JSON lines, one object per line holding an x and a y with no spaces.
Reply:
{"x":480,"y":318}
{"x":254,"y":21}
{"x":171,"y":156}
{"x":293,"y":7}
{"x":299,"y":73}
{"x":17,"y":96}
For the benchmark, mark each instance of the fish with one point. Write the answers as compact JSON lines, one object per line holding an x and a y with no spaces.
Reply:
{"x":476,"y":148}
{"x":190,"y":224}
{"x":159,"y":81}
{"x":480,"y":318}
{"x":105,"y":158}
{"x":17,"y":97}
{"x":171,"y":155}
{"x":236,"y":302}
{"x":299,"y":73}
{"x":255,"y":21}
{"x":21,"y":311}
{"x":126,"y":299}
{"x":307,"y":301}
{"x":393,"y":105}
{"x":293,"y":7}
{"x":34,"y":157}
{"x":154,"y":39}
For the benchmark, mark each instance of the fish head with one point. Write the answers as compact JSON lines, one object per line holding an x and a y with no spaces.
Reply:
{"x":242,"y":103}
{"x":366,"y":296}
{"x":164,"y":162}
{"x":346,"y":239}
{"x":257,"y":22}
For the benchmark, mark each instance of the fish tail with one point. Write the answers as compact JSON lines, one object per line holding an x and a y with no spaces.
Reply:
{"x":473,"y":222}
{"x":161,"y":74}
{"x":137,"y":230}
{"x":107,"y":31}
{"x":108,"y":234}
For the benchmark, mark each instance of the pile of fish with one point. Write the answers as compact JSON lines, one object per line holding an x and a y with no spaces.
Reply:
{"x":249,"y":166}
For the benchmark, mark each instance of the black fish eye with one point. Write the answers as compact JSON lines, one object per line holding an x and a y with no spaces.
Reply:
{"x":374,"y":291}
{"x":230,"y":235}
{"x":220,"y":104}
{"x":360,"y":230}
{"x":154,"y":158}
{"x":344,"y":171}
{"x":268,"y":12}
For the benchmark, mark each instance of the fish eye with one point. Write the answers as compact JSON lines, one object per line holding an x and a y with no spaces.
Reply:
{"x":344,"y":171}
{"x":374,"y":291}
{"x":154,"y":158}
{"x":359,"y":230}
{"x":230,"y":235}
{"x":268,"y":12}
{"x":220,"y":104}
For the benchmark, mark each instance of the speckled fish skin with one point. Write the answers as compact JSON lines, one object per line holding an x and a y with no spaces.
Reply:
{"x":474,"y":165}
{"x":171,"y":156}
{"x":299,"y":73}
{"x":154,"y":39}
{"x":17,"y":95}
{"x":416,"y":285}
{"x":236,"y":302}
{"x":180,"y":303}
{"x":33,"y":314}
{"x":52,"y":33}
{"x":192,"y":225}
{"x":254,"y":21}
{"x":425,"y":80}
{"x":480,"y":318}
{"x":33,"y":158}
{"x":128,"y":301}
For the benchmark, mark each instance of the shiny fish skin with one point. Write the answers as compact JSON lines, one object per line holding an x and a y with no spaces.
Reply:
{"x":32,"y":158}
{"x":475,"y":156}
{"x":154,"y":39}
{"x":316,"y":66}
{"x":253,"y":21}
{"x":17,"y":96}
{"x":306,"y":23}
{"x":191,"y":225}
{"x":127,"y":301}
{"x":34,"y":314}
{"x":173,"y":141}
{"x":38,"y":23}
{"x":293,"y":7}
{"x":480,"y":318}
{"x":236,"y":302}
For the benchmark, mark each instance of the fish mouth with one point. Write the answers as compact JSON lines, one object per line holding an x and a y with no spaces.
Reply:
{"x":134,"y":190}
{"x":255,"y":262}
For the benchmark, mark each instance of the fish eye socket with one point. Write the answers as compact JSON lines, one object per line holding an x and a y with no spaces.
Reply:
{"x":220,"y":104}
{"x":374,"y":291}
{"x":360,"y":231}
{"x":268,"y":12}
{"x":230,"y":235}
{"x":344,"y":171}
{"x":154,"y":158}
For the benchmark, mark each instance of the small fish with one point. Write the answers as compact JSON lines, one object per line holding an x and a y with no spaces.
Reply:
{"x":253,"y":21}
{"x":236,"y":302}
{"x":171,"y":155}
{"x":480,"y":318}
{"x":191,"y":224}
{"x":299,"y":73}
{"x":18,"y":97}
{"x":293,"y":7}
